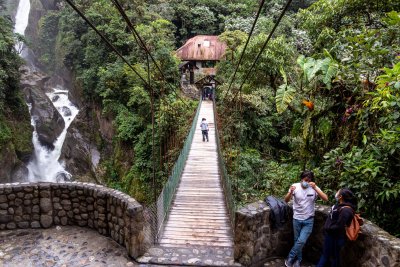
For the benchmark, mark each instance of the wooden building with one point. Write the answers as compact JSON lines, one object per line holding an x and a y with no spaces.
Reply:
{"x":199,"y":56}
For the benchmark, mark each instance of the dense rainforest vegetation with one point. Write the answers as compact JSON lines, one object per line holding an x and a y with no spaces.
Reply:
{"x":324,"y":94}
{"x":15,"y":128}
{"x":141,"y":156}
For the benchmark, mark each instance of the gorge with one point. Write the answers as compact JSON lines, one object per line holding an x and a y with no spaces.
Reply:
{"x":51,"y":113}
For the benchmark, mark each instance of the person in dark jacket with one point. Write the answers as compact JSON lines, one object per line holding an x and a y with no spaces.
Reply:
{"x":335,"y":227}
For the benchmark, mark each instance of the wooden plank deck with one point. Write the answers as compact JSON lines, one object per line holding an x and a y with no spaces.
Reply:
{"x":198,"y":215}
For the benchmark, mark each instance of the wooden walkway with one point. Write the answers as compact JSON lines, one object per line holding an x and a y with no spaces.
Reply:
{"x":198,"y":215}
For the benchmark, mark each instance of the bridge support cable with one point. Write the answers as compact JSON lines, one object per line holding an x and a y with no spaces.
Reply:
{"x":239,"y":91}
{"x":110,"y":45}
{"x":106,"y":40}
{"x":142,"y":45}
{"x":245,"y":47}
{"x":249,"y":71}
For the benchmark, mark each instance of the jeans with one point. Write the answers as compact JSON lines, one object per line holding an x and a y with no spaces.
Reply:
{"x":205,"y":135}
{"x":302,"y":230}
{"x":331,"y":250}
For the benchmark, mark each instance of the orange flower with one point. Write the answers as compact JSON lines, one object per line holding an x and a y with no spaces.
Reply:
{"x":308,"y":104}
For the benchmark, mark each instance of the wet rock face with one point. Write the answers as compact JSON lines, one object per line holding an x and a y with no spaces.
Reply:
{"x":48,"y":4}
{"x":8,"y":159}
{"x":12,"y":169}
{"x":49,"y":122}
{"x":78,"y":153}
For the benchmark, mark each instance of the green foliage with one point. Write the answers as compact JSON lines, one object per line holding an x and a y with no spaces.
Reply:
{"x":9,"y":64}
{"x":337,"y":109}
{"x":284,"y":94}
{"x":320,"y":70}
{"x":233,"y":40}
{"x":48,"y":30}
{"x":15,"y":129}
{"x":5,"y":134}
{"x":259,"y":178}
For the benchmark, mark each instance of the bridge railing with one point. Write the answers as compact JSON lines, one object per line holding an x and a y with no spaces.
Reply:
{"x":164,"y":200}
{"x":225,"y":180}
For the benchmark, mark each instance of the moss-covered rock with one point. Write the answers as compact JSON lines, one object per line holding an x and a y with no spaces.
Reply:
{"x":15,"y":147}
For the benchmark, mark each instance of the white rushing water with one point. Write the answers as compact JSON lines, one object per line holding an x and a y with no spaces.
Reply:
{"x":45,"y":165}
{"x":21,"y":22}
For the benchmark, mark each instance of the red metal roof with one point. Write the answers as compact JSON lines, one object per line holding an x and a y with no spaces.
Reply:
{"x":202,"y":47}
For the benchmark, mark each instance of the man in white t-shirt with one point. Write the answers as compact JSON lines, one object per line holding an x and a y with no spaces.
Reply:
{"x":304,"y":195}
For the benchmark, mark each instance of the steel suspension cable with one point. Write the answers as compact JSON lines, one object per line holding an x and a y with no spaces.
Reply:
{"x":115,"y":50}
{"x":136,"y":34}
{"x":142,"y":44}
{"x":263,"y":47}
{"x":245,"y":47}
{"x":241,"y":86}
{"x":106,"y":40}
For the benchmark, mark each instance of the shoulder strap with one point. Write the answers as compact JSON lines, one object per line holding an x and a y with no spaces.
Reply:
{"x":348,"y":208}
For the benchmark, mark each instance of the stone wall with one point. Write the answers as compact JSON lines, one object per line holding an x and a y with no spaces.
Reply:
{"x":256,"y":241}
{"x":43,"y":205}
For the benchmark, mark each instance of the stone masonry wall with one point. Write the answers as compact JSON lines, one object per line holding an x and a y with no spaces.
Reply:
{"x":43,"y":205}
{"x":256,"y":241}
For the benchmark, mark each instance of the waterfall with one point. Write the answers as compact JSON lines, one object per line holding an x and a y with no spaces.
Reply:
{"x":45,"y":165}
{"x":21,"y":22}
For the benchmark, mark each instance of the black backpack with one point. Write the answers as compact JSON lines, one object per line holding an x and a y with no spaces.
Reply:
{"x":279,"y":211}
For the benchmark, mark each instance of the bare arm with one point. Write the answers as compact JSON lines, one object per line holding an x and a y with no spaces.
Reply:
{"x":321,"y":194}
{"x":288,"y":196}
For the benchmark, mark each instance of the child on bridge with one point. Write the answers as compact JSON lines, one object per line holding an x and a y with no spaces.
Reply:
{"x":204,"y":129}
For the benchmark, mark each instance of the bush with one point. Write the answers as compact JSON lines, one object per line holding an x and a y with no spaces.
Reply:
{"x":5,"y":133}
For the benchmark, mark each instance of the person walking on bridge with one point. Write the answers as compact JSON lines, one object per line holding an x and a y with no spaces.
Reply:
{"x":304,"y":196}
{"x":204,"y":129}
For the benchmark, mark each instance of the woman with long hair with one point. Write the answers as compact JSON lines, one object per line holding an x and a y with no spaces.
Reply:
{"x":339,"y":218}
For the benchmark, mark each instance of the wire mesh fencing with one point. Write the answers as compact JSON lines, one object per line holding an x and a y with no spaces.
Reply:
{"x":156,"y":213}
{"x":225,"y":179}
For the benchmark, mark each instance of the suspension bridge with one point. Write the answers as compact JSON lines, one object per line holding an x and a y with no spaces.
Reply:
{"x":198,"y":214}
{"x":193,"y":219}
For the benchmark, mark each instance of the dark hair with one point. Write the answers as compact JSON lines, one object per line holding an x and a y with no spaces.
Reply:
{"x":203,"y":119}
{"x":307,"y":174}
{"x":348,"y":197}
